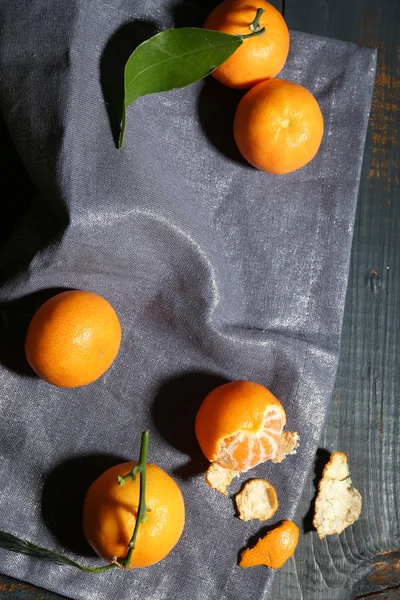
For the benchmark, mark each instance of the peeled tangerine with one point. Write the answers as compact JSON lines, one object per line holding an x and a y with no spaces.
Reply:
{"x":338,"y":504}
{"x":257,"y":500}
{"x":274,"y":549}
{"x":239,"y":426}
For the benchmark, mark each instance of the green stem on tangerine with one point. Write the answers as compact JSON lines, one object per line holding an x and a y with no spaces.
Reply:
{"x":141,"y":513}
{"x":10,"y":542}
{"x":255,"y":26}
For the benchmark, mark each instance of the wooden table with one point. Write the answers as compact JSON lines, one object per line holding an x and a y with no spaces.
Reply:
{"x":364,"y":562}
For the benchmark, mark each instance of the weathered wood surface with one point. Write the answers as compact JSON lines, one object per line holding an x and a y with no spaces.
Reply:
{"x":364,"y":561}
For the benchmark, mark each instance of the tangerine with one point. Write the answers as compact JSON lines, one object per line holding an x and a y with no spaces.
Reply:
{"x":259,"y":57}
{"x":73,"y":338}
{"x":110,"y":511}
{"x":278,"y":126}
{"x":238,"y":426}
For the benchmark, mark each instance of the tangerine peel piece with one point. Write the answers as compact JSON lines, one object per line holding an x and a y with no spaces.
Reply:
{"x":257,"y":500}
{"x":338,"y":504}
{"x":219,"y":478}
{"x":274,"y":549}
{"x":289,"y":443}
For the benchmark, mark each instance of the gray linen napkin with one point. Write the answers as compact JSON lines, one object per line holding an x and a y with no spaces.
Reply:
{"x":217,"y":272}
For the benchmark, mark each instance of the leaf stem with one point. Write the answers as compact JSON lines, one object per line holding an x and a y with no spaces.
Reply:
{"x":254,"y":34}
{"x":141,"y":513}
{"x":255,"y":24}
{"x":96,"y":569}
{"x":11,"y":542}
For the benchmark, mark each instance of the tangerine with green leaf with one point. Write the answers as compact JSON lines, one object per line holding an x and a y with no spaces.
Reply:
{"x":260,"y":56}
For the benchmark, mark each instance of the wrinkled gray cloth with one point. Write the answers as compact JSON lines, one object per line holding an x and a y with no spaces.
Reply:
{"x":216,"y":270}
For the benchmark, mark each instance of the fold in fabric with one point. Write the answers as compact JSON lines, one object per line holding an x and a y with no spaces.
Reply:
{"x":217,"y":272}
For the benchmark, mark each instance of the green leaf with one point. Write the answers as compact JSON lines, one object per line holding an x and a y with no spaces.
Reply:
{"x":15,"y":544}
{"x":172,"y":59}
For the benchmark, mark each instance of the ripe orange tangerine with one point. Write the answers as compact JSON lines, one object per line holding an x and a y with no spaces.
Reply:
{"x":73,"y":338}
{"x":278,"y":126}
{"x":259,"y":57}
{"x":238,"y":426}
{"x":110,"y":511}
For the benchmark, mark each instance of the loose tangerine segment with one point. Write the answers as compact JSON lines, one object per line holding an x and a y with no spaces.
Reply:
{"x":274,"y":549}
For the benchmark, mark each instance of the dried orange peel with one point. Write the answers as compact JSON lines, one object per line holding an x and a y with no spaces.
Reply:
{"x":274,"y":549}
{"x":338,"y":504}
{"x":257,"y":500}
{"x":238,"y":426}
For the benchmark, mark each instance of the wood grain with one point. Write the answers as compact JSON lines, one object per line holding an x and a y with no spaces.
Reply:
{"x":364,"y":561}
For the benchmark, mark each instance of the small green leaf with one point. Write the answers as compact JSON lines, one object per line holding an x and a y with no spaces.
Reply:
{"x":174,"y":58}
{"x":15,"y":544}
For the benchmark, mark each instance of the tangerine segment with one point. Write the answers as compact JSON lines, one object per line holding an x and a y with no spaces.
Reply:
{"x":259,"y":57}
{"x":274,"y":549}
{"x":110,"y":510}
{"x":239,"y":425}
{"x":244,"y":450}
{"x":278,"y":126}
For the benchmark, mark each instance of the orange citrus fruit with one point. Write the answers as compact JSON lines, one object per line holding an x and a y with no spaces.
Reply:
{"x":73,"y":338}
{"x":278,"y":126}
{"x":274,"y":549}
{"x":240,"y":425}
{"x":259,"y":57}
{"x":110,"y":510}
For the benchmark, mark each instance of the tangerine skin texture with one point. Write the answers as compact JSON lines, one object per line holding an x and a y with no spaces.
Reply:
{"x":274,"y":549}
{"x":73,"y":339}
{"x":110,"y":510}
{"x":258,"y":58}
{"x":231,"y":408}
{"x":278,"y":126}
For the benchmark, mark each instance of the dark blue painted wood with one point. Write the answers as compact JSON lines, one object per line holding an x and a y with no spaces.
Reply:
{"x":364,"y":562}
